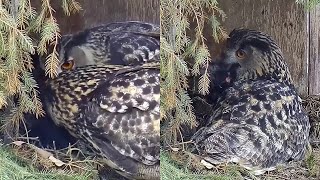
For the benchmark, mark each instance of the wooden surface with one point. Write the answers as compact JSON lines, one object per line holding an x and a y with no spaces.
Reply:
{"x":285,"y":21}
{"x":97,"y":12}
{"x":294,"y":29}
{"x":314,"y":62}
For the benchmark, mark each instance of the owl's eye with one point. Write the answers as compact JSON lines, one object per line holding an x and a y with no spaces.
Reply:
{"x":241,"y":54}
{"x":68,"y":65}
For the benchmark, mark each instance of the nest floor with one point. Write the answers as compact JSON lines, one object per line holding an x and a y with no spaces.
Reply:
{"x":171,"y":168}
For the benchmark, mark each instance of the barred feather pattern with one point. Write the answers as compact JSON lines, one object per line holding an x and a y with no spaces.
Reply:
{"x":258,"y":121}
{"x":119,"y":43}
{"x":115,"y":110}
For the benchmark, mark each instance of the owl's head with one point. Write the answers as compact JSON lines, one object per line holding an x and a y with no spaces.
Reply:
{"x":71,"y":55}
{"x":251,"y":54}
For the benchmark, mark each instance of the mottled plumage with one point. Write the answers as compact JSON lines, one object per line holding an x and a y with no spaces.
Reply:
{"x":115,"y":110}
{"x":259,"y":121}
{"x":119,"y":43}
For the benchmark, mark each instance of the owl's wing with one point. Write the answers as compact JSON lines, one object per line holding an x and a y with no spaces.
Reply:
{"x":133,"y":47}
{"x":122,"y":120}
{"x":130,"y":42}
{"x":255,"y":126}
{"x":130,"y":26}
{"x":219,"y":134}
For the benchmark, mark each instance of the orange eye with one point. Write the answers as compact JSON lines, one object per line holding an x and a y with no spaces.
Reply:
{"x":241,"y":54}
{"x":68,"y":65}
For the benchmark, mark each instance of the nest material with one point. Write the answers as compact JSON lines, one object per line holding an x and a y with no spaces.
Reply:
{"x":311,"y":103}
{"x":70,"y":161}
{"x":64,"y":160}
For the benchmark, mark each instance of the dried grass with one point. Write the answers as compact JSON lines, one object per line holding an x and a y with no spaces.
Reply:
{"x":312,"y":105}
{"x":18,"y":164}
{"x":70,"y":159}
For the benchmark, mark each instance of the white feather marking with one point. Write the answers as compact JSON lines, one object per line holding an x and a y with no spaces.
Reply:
{"x":278,"y":145}
{"x":144,"y":105}
{"x":123,"y":109}
{"x":151,"y":54}
{"x":104,"y":106}
{"x":206,"y":164}
{"x":88,"y":132}
{"x":299,"y":128}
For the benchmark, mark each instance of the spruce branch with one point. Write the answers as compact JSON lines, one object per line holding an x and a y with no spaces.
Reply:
{"x":309,"y":4}
{"x":18,"y":21}
{"x":180,"y":46}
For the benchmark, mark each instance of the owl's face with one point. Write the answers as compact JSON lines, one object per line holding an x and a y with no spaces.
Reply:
{"x":66,"y":61}
{"x":250,"y":51}
{"x":251,"y":54}
{"x":71,"y":56}
{"x":76,"y":57}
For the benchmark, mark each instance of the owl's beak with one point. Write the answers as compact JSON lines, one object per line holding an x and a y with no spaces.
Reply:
{"x":223,"y":72}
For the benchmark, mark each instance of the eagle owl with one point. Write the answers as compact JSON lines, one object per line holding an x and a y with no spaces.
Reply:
{"x":258,"y":121}
{"x":118,"y":43}
{"x":114,"y":110}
